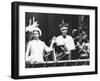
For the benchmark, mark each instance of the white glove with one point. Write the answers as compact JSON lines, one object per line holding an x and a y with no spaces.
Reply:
{"x":53,"y":40}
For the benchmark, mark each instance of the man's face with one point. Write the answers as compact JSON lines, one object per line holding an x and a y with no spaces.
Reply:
{"x":64,"y":32}
{"x":36,"y":35}
{"x":84,"y":36}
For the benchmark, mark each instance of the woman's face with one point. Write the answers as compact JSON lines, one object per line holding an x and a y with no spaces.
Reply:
{"x":36,"y":35}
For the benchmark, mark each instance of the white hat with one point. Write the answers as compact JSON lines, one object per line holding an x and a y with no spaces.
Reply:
{"x":33,"y":27}
{"x":37,"y":29}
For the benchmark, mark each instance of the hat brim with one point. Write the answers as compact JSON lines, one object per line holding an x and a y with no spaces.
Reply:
{"x":64,"y":28}
{"x":37,"y":29}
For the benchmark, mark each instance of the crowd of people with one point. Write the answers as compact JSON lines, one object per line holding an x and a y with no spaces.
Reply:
{"x":62,"y":47}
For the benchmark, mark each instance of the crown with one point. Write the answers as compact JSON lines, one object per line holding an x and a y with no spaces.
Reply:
{"x":63,"y":25}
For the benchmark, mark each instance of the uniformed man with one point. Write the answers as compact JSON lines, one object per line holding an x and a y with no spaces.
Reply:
{"x":64,"y":41}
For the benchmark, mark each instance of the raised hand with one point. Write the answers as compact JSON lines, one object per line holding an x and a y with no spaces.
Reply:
{"x":53,"y":39}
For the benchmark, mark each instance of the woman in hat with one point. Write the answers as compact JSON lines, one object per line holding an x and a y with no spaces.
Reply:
{"x":36,"y":47}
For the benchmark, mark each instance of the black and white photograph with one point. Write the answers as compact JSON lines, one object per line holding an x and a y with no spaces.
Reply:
{"x":51,"y":40}
{"x":54,"y":40}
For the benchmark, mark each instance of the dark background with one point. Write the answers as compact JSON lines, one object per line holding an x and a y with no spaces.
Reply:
{"x":49,"y":24}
